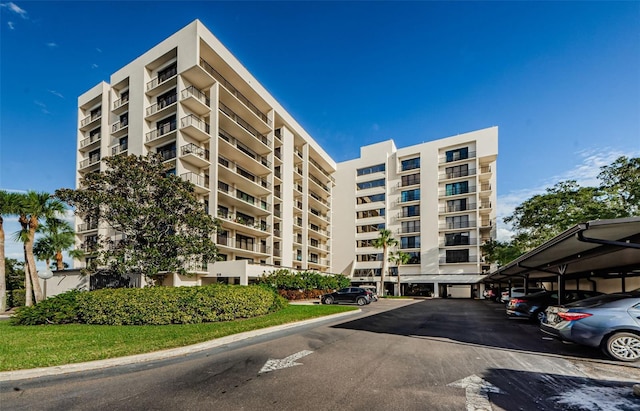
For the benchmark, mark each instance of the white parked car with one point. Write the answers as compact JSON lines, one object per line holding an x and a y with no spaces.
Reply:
{"x":519,"y":292}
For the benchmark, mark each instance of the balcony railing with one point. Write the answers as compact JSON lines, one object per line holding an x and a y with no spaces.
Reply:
{"x":242,"y":244}
{"x":322,"y":170}
{"x":241,"y":195}
{"x":457,"y":208}
{"x":457,"y":225}
{"x":90,"y":140}
{"x":233,"y":166}
{"x":443,"y":158}
{"x":318,"y":182}
{"x":87,"y":227}
{"x":115,"y":127}
{"x":194,"y":121}
{"x":195,"y":150}
{"x":167,"y":154}
{"x":318,"y":198}
{"x":242,"y":123}
{"x":166,"y":76}
{"x":121,"y":148}
{"x":161,"y":131}
{"x":458,"y":173}
{"x":164,"y":103}
{"x":120,"y":102}
{"x":459,"y":242}
{"x":90,"y":119}
{"x":196,"y":179}
{"x":452,"y":260}
{"x":191,"y":91}
{"x":214,"y":73}
{"x":256,"y":224}
{"x":457,"y":191}
{"x":89,"y":162}
{"x":246,"y":150}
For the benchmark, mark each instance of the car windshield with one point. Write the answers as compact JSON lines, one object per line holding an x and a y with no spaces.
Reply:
{"x":603,"y":299}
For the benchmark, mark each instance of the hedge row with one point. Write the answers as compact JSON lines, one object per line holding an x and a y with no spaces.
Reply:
{"x":153,"y":306}
{"x":284,"y":279}
{"x":293,"y":295}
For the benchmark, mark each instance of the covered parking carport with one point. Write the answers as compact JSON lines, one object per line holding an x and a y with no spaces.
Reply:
{"x":601,"y":255}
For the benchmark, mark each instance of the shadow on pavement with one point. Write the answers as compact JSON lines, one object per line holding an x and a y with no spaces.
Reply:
{"x":475,"y":322}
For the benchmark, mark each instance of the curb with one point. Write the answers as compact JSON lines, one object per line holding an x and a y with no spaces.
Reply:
{"x":7,"y":376}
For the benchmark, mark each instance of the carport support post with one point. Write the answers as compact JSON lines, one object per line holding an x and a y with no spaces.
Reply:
{"x":623,"y":278}
{"x":561,"y":270}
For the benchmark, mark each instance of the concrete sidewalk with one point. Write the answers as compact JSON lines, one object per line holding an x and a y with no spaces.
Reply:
{"x":164,"y":354}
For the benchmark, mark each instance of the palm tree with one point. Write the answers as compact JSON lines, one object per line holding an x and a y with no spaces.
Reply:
{"x":58,"y":236}
{"x":399,"y":258}
{"x":8,"y":207}
{"x":32,"y":207}
{"x":384,"y":241}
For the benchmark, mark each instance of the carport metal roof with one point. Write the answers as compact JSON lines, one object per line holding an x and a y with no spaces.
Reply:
{"x":600,"y":248}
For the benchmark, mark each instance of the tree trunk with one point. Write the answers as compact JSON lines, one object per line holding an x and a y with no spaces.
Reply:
{"x":3,"y":274}
{"x":59,"y":262}
{"x":31,"y":262}
{"x":382,"y":270}
{"x":28,"y":292}
{"x":399,"y":289}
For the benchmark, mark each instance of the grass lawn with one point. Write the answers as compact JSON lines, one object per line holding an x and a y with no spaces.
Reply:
{"x":23,"y":347}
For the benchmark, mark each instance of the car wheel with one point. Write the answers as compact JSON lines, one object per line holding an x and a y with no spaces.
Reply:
{"x":328,"y":300}
{"x":361,"y":301}
{"x":623,"y":347}
{"x":539,"y":316}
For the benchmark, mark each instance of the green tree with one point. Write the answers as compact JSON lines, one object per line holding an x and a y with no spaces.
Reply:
{"x":8,"y":206}
{"x":160,"y":225}
{"x":399,"y":258}
{"x":621,"y":181}
{"x":32,"y":207}
{"x":385,"y":241}
{"x":564,"y":205}
{"x":57,"y":236}
{"x":500,"y":252}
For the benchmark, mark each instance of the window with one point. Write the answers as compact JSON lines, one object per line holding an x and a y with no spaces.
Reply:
{"x":166,"y":125}
{"x":371,"y":199}
{"x":94,"y":134}
{"x":370,"y":170}
{"x":245,"y":197}
{"x":457,"y":171}
{"x":167,"y":73}
{"x":366,"y":272}
{"x":461,"y":221}
{"x":457,"y":239}
{"x":459,"y":154}
{"x":370,"y":213}
{"x":410,"y":211}
{"x":96,"y":113}
{"x":124,"y":96}
{"x":314,"y":242}
{"x":414,"y":257}
{"x":368,"y":257}
{"x":411,"y":226}
{"x":167,"y":152}
{"x":244,"y":219}
{"x":456,"y":205}
{"x":370,"y":228}
{"x":364,"y":243}
{"x":244,"y":242}
{"x":124,"y":120}
{"x":410,"y":242}
{"x":410,"y":195}
{"x":410,"y":164}
{"x":457,"y":256}
{"x":223,"y":212}
{"x":410,"y":180}
{"x":313,"y":258}
{"x":167,"y":99}
{"x":371,"y":184}
{"x":457,"y":188}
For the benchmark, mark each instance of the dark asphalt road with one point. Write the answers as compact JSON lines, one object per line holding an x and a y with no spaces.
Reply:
{"x":396,"y":355}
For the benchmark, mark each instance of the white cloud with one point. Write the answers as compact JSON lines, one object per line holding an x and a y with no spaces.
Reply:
{"x":55,"y":93}
{"x":94,"y":66}
{"x":98,"y":50}
{"x":585,"y":174}
{"x":52,"y":45}
{"x":16,"y":9}
{"x":11,"y":25}
{"x":375,"y":127}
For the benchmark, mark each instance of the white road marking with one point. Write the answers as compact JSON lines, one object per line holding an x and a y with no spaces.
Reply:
{"x":272,"y":365}
{"x":476,"y":392}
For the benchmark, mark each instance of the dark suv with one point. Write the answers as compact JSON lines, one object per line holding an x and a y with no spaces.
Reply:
{"x":356,"y":295}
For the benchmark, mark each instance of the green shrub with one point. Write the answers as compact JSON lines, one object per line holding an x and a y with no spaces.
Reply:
{"x":16,"y":298}
{"x":60,"y":309}
{"x":284,"y":279}
{"x":153,"y":306}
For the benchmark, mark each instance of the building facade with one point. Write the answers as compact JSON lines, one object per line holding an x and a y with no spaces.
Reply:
{"x":274,"y":188}
{"x":252,"y":165}
{"x":438,"y":200}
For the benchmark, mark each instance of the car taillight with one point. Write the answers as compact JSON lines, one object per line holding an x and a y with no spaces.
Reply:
{"x":573,"y":316}
{"x":516,"y":301}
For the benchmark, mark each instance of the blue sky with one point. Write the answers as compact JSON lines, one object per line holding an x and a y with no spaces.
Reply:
{"x":561,"y":80}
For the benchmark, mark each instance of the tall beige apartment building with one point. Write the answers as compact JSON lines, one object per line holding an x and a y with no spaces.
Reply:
{"x":275,"y":190}
{"x":254,"y":167}
{"x":437,"y":198}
